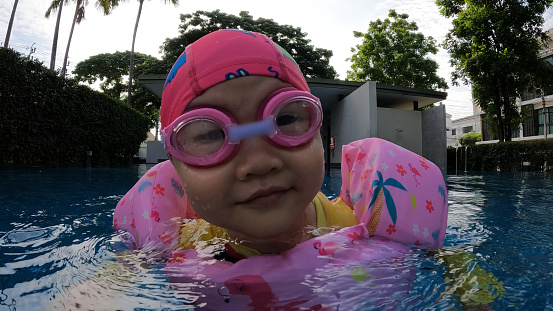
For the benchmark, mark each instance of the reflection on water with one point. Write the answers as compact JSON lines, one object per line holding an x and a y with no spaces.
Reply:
{"x":505,"y":218}
{"x":55,"y":237}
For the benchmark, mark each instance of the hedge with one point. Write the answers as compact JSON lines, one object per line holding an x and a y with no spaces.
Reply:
{"x":504,"y":156}
{"x":46,"y":119}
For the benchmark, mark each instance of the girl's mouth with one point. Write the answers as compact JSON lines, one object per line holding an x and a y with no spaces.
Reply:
{"x":265,"y":196}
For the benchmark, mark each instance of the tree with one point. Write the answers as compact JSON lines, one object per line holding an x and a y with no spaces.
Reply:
{"x":494,"y":46}
{"x":55,"y":5}
{"x":10,"y":24}
{"x":105,"y":5}
{"x":109,"y":70}
{"x":393,"y":52}
{"x":77,"y":18}
{"x":129,"y":89}
{"x":313,"y":62}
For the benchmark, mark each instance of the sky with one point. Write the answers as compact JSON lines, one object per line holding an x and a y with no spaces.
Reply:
{"x":329,"y":24}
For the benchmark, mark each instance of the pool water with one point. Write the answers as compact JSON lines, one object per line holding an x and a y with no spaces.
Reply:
{"x":56,"y":233}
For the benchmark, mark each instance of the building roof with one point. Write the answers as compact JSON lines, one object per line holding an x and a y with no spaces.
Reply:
{"x":332,"y":91}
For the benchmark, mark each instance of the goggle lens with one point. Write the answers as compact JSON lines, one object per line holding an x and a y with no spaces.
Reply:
{"x":295,"y":118}
{"x":199,"y":138}
{"x":207,"y":136}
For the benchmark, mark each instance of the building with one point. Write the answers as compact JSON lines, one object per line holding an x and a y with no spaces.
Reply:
{"x":536,"y":105}
{"x":462,"y":126}
{"x":357,"y":110}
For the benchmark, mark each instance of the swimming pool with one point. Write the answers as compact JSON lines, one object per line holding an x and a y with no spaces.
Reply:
{"x":56,"y":231}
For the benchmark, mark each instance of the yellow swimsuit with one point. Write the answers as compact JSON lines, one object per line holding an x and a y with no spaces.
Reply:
{"x":331,"y":215}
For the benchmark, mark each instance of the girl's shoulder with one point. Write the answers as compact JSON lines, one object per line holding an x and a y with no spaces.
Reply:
{"x":199,"y":233}
{"x":335,"y":213}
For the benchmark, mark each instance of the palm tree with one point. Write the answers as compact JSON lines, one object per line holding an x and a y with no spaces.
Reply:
{"x":77,"y":18}
{"x":105,"y":5}
{"x":379,"y":186}
{"x":175,"y":3}
{"x":9,"y":32}
{"x":55,"y":5}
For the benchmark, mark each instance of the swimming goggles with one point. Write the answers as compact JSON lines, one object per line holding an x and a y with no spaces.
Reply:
{"x":207,"y":136}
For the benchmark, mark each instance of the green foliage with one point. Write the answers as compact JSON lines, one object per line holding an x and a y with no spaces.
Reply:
{"x":470,"y":138}
{"x":393,"y":52}
{"x":46,"y":119}
{"x":313,"y":62}
{"x":494,"y":46}
{"x":504,"y":156}
{"x":110,"y":69}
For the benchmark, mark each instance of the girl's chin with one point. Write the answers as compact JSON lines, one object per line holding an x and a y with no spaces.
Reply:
{"x":262,"y":235}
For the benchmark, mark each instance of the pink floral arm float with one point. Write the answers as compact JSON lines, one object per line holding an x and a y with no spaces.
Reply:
{"x":399,"y":199}
{"x":398,"y":194}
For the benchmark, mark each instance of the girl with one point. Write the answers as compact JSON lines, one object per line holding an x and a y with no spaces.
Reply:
{"x":242,"y":131}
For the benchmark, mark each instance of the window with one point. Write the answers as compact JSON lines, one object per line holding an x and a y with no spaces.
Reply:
{"x":486,"y":133}
{"x":533,"y":125}
{"x":454,"y":132}
{"x":540,"y":115}
{"x":467,"y":129}
{"x":529,"y":127}
{"x":549,"y":119}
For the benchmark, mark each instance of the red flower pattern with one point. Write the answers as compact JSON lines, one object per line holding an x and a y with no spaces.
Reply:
{"x":165,"y":237}
{"x":429,"y":206}
{"x":401,"y":170}
{"x":423,"y":164}
{"x":391,"y":229}
{"x":353,"y":236}
{"x":364,"y":175}
{"x":360,"y":157}
{"x":177,"y":258}
{"x":155,"y":215}
{"x":159,"y":189}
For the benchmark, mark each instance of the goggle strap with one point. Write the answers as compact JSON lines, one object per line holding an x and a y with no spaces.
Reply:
{"x":264,"y":127}
{"x":163,"y":142}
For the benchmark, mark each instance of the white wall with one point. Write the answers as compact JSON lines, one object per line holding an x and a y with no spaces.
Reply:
{"x":459,"y":124}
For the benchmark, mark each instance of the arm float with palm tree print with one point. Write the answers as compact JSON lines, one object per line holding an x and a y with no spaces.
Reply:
{"x":380,"y":176}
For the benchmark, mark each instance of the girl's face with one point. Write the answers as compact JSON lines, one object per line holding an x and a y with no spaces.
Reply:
{"x":263,"y":190}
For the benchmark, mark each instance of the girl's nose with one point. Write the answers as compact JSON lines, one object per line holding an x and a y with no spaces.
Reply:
{"x":257,"y":157}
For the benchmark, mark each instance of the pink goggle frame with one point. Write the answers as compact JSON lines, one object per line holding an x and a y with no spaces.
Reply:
{"x":208,"y":136}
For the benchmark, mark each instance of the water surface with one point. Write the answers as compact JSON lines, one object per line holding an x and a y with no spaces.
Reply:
{"x":56,"y":232}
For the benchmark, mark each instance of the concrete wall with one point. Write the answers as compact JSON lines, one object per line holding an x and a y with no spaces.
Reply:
{"x":401,"y":127}
{"x":353,"y":118}
{"x":155,"y":152}
{"x":434,"y":139}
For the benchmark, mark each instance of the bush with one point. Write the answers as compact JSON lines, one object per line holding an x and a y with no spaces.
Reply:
{"x":504,"y":156}
{"x":470,"y":138}
{"x":46,"y":119}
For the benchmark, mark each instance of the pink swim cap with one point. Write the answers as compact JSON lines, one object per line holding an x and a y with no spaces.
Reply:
{"x":220,"y":56}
